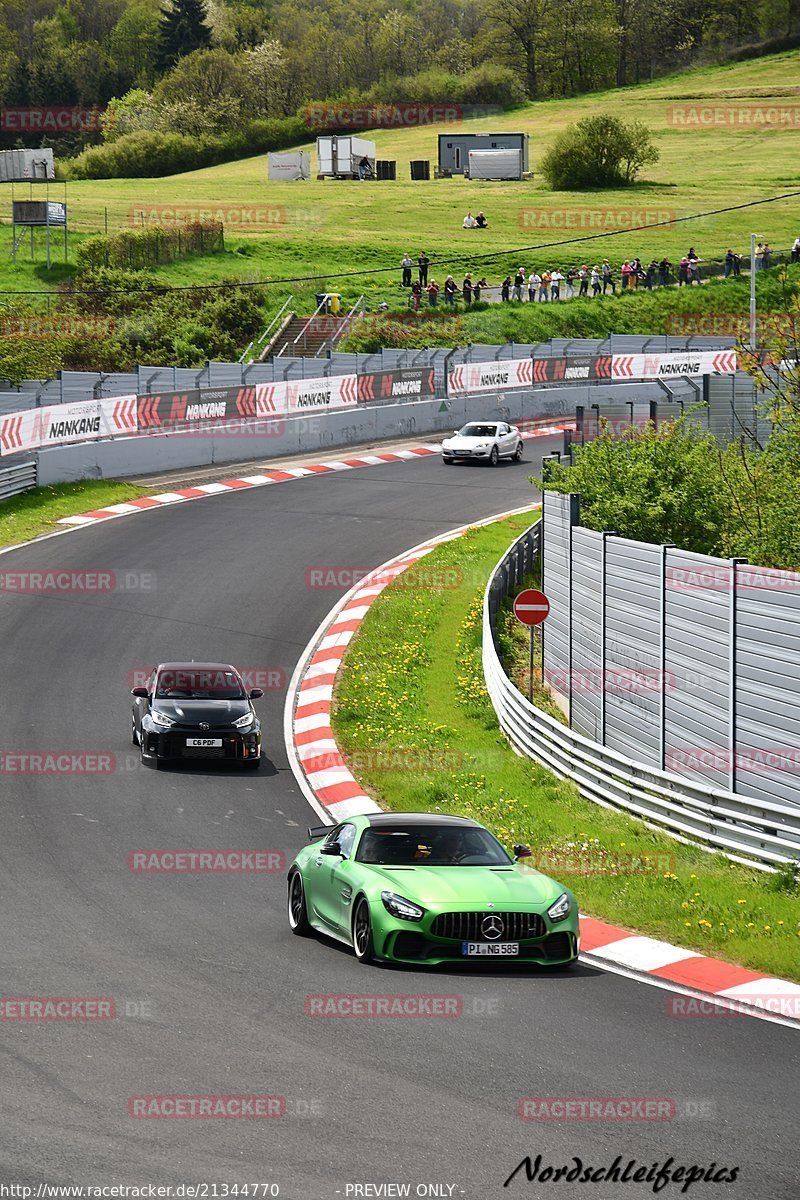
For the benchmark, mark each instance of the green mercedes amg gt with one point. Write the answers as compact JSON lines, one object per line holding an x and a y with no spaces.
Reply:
{"x":422,"y":888}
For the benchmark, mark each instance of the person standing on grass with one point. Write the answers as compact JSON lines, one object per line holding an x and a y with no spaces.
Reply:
{"x":796,"y":250}
{"x":407,"y":263}
{"x":477,"y":288}
{"x":728,"y":263}
{"x":663,"y":272}
{"x":737,"y":265}
{"x":422,"y":263}
{"x":555,"y":284}
{"x":519,"y":283}
{"x":759,"y":262}
{"x":766,"y":256}
{"x":433,"y":293}
{"x":544,"y":286}
{"x":505,"y":288}
{"x":416,"y":294}
{"x":450,"y":291}
{"x":466,"y":290}
{"x":625,"y":272}
{"x":608,"y":277}
{"x":583,"y":280}
{"x":683,"y":271}
{"x":571,"y":276}
{"x":650,"y":275}
{"x":595,"y":281}
{"x":533,"y":283}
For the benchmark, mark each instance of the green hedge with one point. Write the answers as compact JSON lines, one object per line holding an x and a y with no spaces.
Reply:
{"x":154,"y":244}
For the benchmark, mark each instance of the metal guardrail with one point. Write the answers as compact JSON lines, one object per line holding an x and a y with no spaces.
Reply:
{"x":17,"y":479}
{"x":755,"y":832}
{"x":256,"y":345}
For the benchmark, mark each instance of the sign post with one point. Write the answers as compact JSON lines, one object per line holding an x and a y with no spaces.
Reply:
{"x":531,"y":607}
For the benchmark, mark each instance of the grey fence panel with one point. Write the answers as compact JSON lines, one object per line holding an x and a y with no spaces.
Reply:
{"x":768,"y":683}
{"x":17,"y":478}
{"x":633,"y":647}
{"x":697,"y":667}
{"x":556,"y":533}
{"x":587,"y":679}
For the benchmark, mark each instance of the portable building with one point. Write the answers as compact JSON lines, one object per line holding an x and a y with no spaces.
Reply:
{"x":290,"y":164}
{"x":338,"y":155}
{"x":20,"y":166}
{"x":454,"y":148}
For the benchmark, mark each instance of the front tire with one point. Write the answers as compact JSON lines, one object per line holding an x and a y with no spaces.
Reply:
{"x":134,"y":734}
{"x":298,"y":915}
{"x":518,"y":453}
{"x":447,"y":461}
{"x":494,"y":457}
{"x":362,"y":933}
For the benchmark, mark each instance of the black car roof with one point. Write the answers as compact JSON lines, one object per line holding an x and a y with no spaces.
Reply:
{"x":378,"y":819}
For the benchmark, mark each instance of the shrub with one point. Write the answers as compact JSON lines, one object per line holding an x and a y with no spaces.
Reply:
{"x":598,"y":152}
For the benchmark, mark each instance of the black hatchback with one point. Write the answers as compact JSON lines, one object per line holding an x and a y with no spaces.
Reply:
{"x":190,"y":711}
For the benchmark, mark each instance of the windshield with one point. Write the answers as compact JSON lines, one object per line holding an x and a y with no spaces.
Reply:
{"x":199,"y":685}
{"x":478,"y":431}
{"x":430,"y":845}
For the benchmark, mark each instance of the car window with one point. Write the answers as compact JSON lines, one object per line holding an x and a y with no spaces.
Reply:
{"x":333,"y":836}
{"x":485,"y":431}
{"x":430,"y":845}
{"x":347,"y":835}
{"x":187,"y":684}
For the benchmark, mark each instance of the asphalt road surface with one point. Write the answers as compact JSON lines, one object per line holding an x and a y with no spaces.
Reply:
{"x":208,"y":984}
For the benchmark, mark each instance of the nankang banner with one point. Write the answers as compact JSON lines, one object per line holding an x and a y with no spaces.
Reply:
{"x":401,"y":384}
{"x":59,"y":424}
{"x":673,"y":364}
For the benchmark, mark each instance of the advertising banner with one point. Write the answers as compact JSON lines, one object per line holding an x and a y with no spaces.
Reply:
{"x":59,"y":424}
{"x":672,"y":364}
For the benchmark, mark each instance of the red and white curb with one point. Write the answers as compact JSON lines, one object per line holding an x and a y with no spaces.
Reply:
{"x":201,"y":490}
{"x":708,"y":985}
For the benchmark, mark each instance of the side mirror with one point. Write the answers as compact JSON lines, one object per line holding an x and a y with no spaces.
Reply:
{"x":522,"y":851}
{"x":140,"y":691}
{"x":256,"y":693}
{"x":332,"y":848}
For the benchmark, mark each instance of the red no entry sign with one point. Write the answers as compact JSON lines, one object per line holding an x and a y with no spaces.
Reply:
{"x":531,"y":607}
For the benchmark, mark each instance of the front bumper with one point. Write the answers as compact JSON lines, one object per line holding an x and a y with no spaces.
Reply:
{"x":414,"y":942}
{"x":171,"y":745}
{"x":466,"y":453}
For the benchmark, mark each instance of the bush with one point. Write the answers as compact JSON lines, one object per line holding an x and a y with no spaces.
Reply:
{"x":151,"y":245}
{"x":598,"y":152}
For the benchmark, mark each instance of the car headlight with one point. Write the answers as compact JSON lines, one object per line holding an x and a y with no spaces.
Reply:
{"x":244,"y":722}
{"x":561,"y":908}
{"x":160,"y":718}
{"x":398,"y":906}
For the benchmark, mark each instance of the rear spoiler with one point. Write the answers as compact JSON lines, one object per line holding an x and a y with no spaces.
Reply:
{"x":318,"y":831}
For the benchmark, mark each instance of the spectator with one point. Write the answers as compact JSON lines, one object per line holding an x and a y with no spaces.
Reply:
{"x":693,"y":271}
{"x":407,"y":263}
{"x":683,"y":271}
{"x":572,"y":275}
{"x":595,"y":281}
{"x":505,"y":288}
{"x":416,"y":294}
{"x":519,"y":283}
{"x":555,"y":284}
{"x":796,"y":250}
{"x":533,"y":283}
{"x":365,"y":168}
{"x":481,"y":221}
{"x":466,"y":290}
{"x":737,"y":264}
{"x":663,"y":272}
{"x":544,"y":286}
{"x":433,"y":293}
{"x":583,"y":278}
{"x":766,"y":256}
{"x":422,"y":262}
{"x":759,"y":257}
{"x":478,"y":287}
{"x":469,"y":221}
{"x":650,"y":274}
{"x":625,"y":272}
{"x":729,"y":263}
{"x":450,"y":291}
{"x":608,"y":277}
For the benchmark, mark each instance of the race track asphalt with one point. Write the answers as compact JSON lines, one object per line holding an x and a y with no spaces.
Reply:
{"x":208,"y":983}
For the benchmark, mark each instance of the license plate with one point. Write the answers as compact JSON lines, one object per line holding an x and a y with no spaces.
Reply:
{"x":213,"y":743}
{"x":497,"y":949}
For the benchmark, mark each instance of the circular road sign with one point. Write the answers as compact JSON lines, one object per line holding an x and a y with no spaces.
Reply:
{"x":531,"y":607}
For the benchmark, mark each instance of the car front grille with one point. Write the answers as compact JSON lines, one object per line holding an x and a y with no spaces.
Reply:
{"x":467,"y":926}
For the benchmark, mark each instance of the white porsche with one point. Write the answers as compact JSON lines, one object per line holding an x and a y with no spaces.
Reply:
{"x":488,"y":441}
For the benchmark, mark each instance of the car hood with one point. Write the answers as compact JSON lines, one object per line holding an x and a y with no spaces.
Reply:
{"x":468,"y":443}
{"x":438,"y":886}
{"x":213,"y":712}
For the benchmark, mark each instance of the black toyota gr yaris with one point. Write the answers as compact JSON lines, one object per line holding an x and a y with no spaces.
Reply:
{"x":196,"y":710}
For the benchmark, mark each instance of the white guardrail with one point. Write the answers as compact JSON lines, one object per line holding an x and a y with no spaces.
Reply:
{"x":752,"y":831}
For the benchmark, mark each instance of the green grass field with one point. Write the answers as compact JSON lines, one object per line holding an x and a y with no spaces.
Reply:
{"x":412,"y":696}
{"x":38,"y":511}
{"x":321,"y":228}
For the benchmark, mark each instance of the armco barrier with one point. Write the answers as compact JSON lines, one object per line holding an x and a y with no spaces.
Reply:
{"x":14,"y":480}
{"x":756,"y":832}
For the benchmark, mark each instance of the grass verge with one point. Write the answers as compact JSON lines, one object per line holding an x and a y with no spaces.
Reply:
{"x":413,"y":717}
{"x":36,"y":512}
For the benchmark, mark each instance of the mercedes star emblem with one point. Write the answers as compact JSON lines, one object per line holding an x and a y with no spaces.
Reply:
{"x":492,"y":927}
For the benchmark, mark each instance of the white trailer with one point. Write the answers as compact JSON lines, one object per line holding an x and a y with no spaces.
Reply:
{"x":291,"y":164}
{"x":495,"y":164}
{"x":338,"y":155}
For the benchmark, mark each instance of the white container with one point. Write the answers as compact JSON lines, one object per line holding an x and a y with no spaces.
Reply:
{"x":291,"y":164}
{"x":495,"y":164}
{"x":340,"y":154}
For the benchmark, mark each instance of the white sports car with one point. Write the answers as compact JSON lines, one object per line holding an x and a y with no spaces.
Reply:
{"x":486,"y":440}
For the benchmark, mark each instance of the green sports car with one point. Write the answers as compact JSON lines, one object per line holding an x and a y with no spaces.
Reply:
{"x":422,"y":888}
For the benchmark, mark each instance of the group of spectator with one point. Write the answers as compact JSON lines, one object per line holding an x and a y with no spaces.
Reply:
{"x":552,"y":284}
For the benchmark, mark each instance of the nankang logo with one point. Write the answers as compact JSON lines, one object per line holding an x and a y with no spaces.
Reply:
{"x":77,"y":428}
{"x":306,"y":399}
{"x":492,"y":927}
{"x":494,"y":379}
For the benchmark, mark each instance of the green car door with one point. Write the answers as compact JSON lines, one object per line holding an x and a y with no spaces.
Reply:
{"x":331,"y":874}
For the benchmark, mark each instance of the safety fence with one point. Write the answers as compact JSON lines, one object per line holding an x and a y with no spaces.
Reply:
{"x":761,"y":832}
{"x":14,"y":480}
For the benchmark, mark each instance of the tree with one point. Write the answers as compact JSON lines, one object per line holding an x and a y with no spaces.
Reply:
{"x":182,"y":30}
{"x":599,"y":151}
{"x":519,"y":24}
{"x":265,"y":67}
{"x":205,"y":76}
